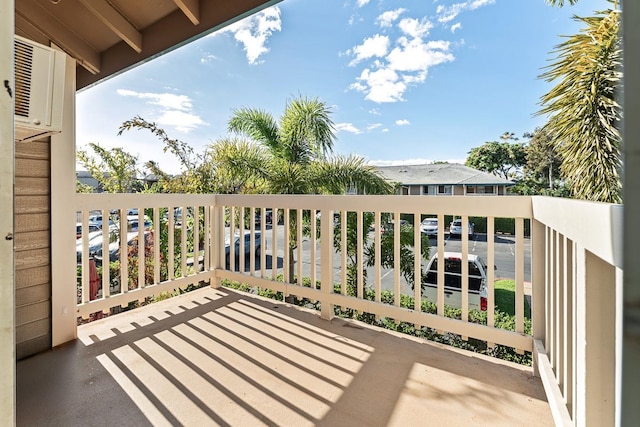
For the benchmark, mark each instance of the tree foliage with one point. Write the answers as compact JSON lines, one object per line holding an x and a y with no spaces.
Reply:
{"x":584,"y":115}
{"x":197,"y":175}
{"x":504,"y":159}
{"x":115,"y":169}
{"x":292,"y":156}
{"x":543,"y":158}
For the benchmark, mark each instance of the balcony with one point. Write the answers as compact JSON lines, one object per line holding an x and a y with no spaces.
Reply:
{"x":221,"y":356}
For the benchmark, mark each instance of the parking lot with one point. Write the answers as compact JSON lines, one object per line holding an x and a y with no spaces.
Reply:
{"x":504,"y":257}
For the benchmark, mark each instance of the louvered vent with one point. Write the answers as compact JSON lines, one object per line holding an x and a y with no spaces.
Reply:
{"x":24,"y":64}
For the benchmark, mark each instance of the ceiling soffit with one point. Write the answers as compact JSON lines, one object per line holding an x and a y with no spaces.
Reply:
{"x":106,"y":37}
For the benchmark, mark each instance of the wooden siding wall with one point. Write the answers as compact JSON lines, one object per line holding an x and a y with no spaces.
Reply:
{"x":32,"y":240}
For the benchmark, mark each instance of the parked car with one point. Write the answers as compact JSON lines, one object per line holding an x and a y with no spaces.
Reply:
{"x":96,"y":221}
{"x":429,"y":226}
{"x":92,"y":228}
{"x":477,"y":280}
{"x":247,"y":245}
{"x":114,"y":247}
{"x":95,"y":243}
{"x":455,"y":228}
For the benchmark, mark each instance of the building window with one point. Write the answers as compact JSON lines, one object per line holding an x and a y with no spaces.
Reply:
{"x":481,"y":189}
{"x":444,"y":189}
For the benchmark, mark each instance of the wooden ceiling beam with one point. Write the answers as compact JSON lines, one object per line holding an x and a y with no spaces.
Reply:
{"x":115,"y":22}
{"x":34,"y":14}
{"x":191,"y":8}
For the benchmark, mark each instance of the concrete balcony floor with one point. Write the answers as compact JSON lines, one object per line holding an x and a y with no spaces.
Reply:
{"x":221,"y":357}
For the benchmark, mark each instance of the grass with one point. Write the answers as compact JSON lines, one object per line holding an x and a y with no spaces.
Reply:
{"x":505,"y":298}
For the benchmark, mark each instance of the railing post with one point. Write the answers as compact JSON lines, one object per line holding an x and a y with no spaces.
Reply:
{"x":538,"y":258}
{"x":63,"y":193}
{"x":326,"y":254}
{"x":595,"y":340}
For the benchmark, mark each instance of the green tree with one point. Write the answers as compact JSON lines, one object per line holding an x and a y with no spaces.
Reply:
{"x":584,"y":115}
{"x":197,"y":173}
{"x":543,"y":158}
{"x":293,"y":156}
{"x":504,"y":159}
{"x":115,"y":169}
{"x":83,"y":188}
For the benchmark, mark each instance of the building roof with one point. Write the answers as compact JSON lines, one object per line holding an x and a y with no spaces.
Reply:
{"x":440,"y":174}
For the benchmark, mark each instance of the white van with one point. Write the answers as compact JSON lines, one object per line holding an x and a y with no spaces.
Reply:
{"x":477,"y":281}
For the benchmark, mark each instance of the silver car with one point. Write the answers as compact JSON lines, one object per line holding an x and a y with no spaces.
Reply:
{"x":455,"y":228}
{"x":429,"y":226}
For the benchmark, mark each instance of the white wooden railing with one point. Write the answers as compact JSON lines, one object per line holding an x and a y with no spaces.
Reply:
{"x":578,"y":328}
{"x":575,"y":269}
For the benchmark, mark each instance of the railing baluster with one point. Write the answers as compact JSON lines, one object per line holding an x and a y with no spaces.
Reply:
{"x":377,"y":269}
{"x":359,"y":253}
{"x":440,"y":267}
{"x":287,"y":246}
{"x":491,"y":274}
{"x":396,"y":258}
{"x":171,"y":244}
{"x":519,"y":265}
{"x":155,"y":230}
{"x":252,"y":241}
{"x":299,"y":216}
{"x":417,"y":264}
{"x":263,"y":242}
{"x":274,"y":243}
{"x":314,"y":230}
{"x":343,"y":253}
{"x":142,"y":245}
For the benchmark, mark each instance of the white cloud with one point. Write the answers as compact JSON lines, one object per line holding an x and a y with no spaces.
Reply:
{"x":180,"y":120}
{"x":166,"y":100}
{"x":386,"y":19}
{"x":376,"y":46}
{"x":347,"y":127}
{"x":391,"y":67}
{"x":375,"y":112}
{"x":455,"y":27}
{"x":416,"y":55}
{"x":415,"y":28}
{"x":385,"y":130}
{"x":176,"y":110}
{"x":383,"y":85}
{"x":207,"y":57}
{"x":449,"y":13}
{"x":403,"y":122}
{"x":373,"y":126}
{"x":361,"y":3}
{"x":254,"y":31}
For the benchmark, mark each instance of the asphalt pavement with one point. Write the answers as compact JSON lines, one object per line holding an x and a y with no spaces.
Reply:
{"x":504,"y":256}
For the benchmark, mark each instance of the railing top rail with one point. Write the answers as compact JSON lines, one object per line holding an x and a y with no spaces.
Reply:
{"x":595,"y":226}
{"x":128,"y":200}
{"x":497,"y":206}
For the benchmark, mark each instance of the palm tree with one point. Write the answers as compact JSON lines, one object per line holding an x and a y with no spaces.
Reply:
{"x":292,"y":156}
{"x":584,"y":115}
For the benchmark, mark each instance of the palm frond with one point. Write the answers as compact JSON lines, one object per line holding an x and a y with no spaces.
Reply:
{"x":584,"y":114}
{"x":307,"y":129}
{"x":257,"y":125}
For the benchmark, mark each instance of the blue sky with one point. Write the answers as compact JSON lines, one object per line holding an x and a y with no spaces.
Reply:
{"x":407,"y":81}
